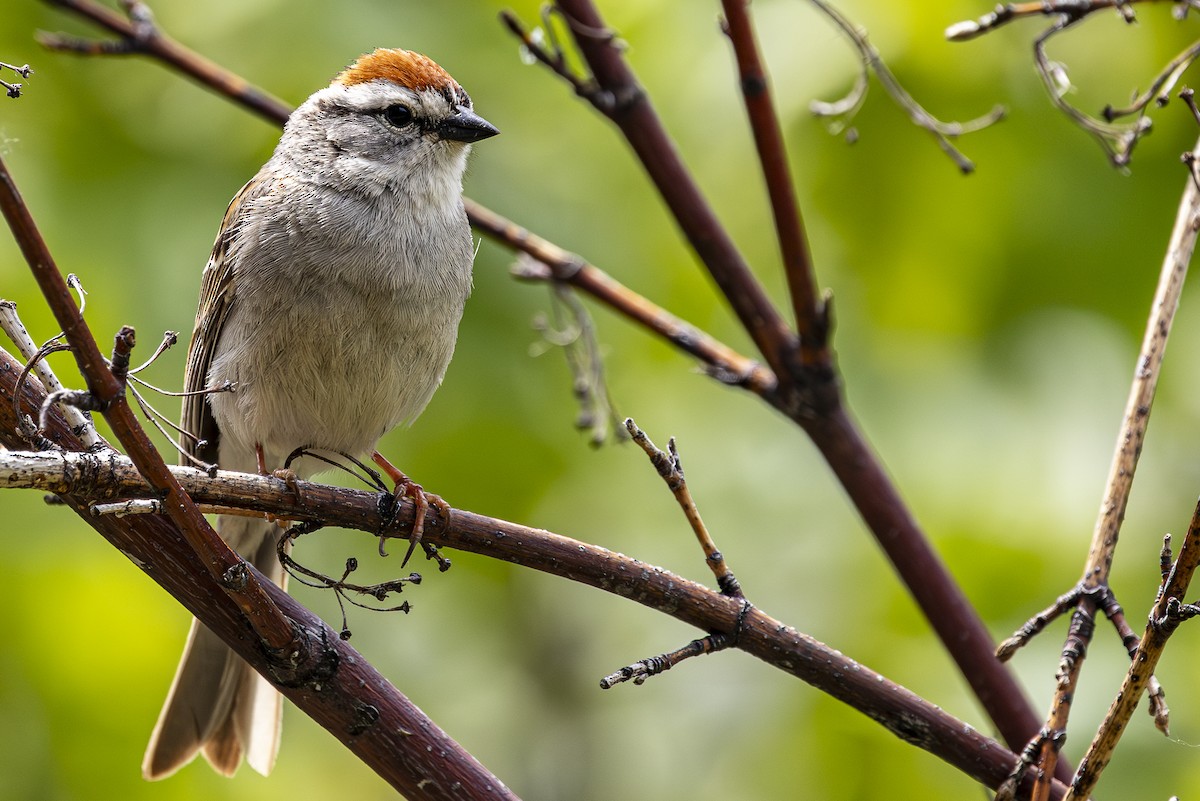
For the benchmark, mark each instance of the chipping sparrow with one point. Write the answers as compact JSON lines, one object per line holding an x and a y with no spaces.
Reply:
{"x":331,"y":301}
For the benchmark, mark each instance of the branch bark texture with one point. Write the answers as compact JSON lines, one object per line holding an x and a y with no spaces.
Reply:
{"x":84,"y":479}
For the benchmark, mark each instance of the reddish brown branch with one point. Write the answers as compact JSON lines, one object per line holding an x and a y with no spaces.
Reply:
{"x":724,"y":363}
{"x":1005,"y":13}
{"x":808,"y":393}
{"x":621,"y":99}
{"x":322,"y":674}
{"x":108,"y":393}
{"x":617,"y":94}
{"x":811,"y":322}
{"x":146,"y":39}
{"x":899,"y":710}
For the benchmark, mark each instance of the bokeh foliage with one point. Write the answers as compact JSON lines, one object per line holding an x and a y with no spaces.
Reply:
{"x":987,"y":328}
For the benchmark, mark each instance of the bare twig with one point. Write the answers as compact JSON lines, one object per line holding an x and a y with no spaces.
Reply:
{"x":1036,"y":624}
{"x":1007,"y":12}
{"x":905,"y":714}
{"x":1117,"y":140}
{"x":942,"y":132}
{"x":343,"y":589}
{"x":1160,"y":88}
{"x":638,"y":672}
{"x":670,"y":468}
{"x":571,"y":329}
{"x":13,"y":90}
{"x":15,"y":329}
{"x":1168,"y":612}
{"x":169,"y":340}
{"x":1125,"y":458}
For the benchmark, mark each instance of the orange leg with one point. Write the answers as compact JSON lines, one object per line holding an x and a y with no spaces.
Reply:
{"x":286,"y":475}
{"x":405,"y":486}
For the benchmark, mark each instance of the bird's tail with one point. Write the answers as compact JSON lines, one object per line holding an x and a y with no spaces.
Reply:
{"x":218,"y":705}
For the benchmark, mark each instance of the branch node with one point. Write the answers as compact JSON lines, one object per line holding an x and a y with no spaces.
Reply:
{"x":236,"y":577}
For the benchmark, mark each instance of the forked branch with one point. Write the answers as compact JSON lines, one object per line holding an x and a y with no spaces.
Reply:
{"x":1116,"y":139}
{"x":1128,"y":449}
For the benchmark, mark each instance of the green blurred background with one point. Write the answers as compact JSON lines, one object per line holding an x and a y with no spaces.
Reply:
{"x":987,"y":330}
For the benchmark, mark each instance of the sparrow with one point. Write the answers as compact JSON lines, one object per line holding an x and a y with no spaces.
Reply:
{"x":330,"y":304}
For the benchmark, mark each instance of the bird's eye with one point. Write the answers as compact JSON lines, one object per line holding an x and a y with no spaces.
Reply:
{"x":398,"y":115}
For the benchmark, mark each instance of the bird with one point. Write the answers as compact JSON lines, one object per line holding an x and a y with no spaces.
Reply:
{"x":330,"y":307}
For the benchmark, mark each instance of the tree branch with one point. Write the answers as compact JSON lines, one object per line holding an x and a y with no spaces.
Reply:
{"x":84,"y":478}
{"x":147,"y":39}
{"x":720,"y":360}
{"x":616,"y":94}
{"x":1128,"y":449}
{"x":833,"y":431}
{"x":812,"y":324}
{"x":1168,"y":612}
{"x":108,"y":393}
{"x":323,"y":675}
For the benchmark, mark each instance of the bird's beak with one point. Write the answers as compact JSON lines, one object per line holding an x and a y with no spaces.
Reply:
{"x":465,"y":125}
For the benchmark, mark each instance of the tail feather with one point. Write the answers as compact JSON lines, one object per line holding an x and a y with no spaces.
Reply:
{"x":217,"y":704}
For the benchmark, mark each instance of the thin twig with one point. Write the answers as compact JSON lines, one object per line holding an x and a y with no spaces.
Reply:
{"x":1125,"y":457}
{"x":639,"y":671}
{"x":670,"y":468}
{"x":1117,"y":141}
{"x":1160,"y":88}
{"x":160,"y":422}
{"x":169,"y":340}
{"x":1008,"y":12}
{"x":11,"y":324}
{"x":571,"y":329}
{"x":343,"y":589}
{"x":1168,"y":612}
{"x":13,"y":90}
{"x":872,"y":60}
{"x":1036,"y":624}
{"x":721,"y":361}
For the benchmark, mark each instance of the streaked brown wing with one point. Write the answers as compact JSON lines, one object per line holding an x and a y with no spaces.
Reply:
{"x":216,"y":298}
